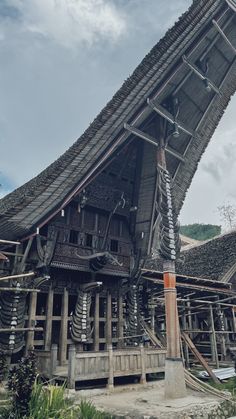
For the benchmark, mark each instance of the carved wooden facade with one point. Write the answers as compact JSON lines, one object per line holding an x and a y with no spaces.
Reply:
{"x":89,"y":223}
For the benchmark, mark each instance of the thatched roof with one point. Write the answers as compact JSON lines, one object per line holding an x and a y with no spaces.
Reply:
{"x":160,"y":74}
{"x":212,"y":259}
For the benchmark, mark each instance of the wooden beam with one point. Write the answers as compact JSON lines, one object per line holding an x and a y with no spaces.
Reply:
{"x":199,"y":357}
{"x":224,"y":36}
{"x":8,"y":242}
{"x":21,"y":329}
{"x":200,"y":74}
{"x":174,"y":153}
{"x":166,"y":115}
{"x":231,"y":4}
{"x":26,"y":275}
{"x":147,"y":137}
{"x":151,"y":140}
{"x":15,"y":289}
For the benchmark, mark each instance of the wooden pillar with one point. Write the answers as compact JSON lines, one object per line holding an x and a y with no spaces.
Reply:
{"x":190,"y":321}
{"x":48,"y":323}
{"x":185,"y":346}
{"x":96,"y":322}
{"x":53,"y":358}
{"x":64,"y":328}
{"x":172,"y":321}
{"x":233,"y":319}
{"x":110,"y":384}
{"x":31,"y":321}
{"x":72,"y":367}
{"x":109,"y":319}
{"x":143,"y":364}
{"x":214,"y":351}
{"x":120,"y":321}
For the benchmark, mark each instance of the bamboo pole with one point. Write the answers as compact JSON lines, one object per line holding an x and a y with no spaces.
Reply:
{"x":16,"y":289}
{"x":8,"y":242}
{"x":26,"y":275}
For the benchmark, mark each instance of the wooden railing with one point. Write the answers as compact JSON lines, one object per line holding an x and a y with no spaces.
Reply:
{"x":83,"y":366}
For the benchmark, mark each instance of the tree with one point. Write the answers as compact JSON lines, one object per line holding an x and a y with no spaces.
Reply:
{"x":200,"y":231}
{"x":227,"y":214}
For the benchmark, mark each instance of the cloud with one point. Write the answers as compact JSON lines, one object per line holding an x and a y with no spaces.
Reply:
{"x":71,"y":22}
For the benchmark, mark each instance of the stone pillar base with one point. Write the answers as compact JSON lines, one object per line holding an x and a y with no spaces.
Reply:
{"x":175,"y":386}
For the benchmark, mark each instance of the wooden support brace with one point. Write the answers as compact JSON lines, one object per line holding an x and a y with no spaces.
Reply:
{"x":166,"y":115}
{"x":218,"y":28}
{"x":231,"y":4}
{"x":200,"y":75}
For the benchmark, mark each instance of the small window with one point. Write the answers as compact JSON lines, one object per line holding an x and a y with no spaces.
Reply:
{"x":89,"y":240}
{"x":74,"y":236}
{"x":114,"y":246}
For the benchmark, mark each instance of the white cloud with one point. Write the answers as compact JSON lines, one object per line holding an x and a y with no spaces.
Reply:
{"x":72,"y":22}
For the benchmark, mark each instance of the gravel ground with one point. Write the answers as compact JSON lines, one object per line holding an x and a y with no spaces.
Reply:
{"x":147,"y":402}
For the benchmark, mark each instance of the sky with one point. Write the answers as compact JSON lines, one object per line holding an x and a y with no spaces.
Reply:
{"x":62,"y":61}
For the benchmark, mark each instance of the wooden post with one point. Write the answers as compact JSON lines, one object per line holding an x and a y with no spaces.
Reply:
{"x":53,"y":358}
{"x":96,"y":322}
{"x":190,"y":321}
{"x":72,"y":367}
{"x":64,"y":328}
{"x":48,"y":323}
{"x":174,"y":371}
{"x":172,"y":321}
{"x":120,"y":321}
{"x":31,"y":321}
{"x":214,"y":351}
{"x":109,"y":317}
{"x":143,"y":366}
{"x":185,"y":327}
{"x":110,"y":384}
{"x":233,"y":319}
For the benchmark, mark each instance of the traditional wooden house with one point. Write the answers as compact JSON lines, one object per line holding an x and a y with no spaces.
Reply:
{"x":78,"y":235}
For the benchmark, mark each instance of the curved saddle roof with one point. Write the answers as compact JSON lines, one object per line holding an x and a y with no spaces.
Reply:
{"x":206,"y":36}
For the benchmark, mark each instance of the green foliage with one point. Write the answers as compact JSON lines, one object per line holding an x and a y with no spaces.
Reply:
{"x":200,"y":231}
{"x":88,"y":411}
{"x":3,"y":365}
{"x":20,"y":383}
{"x":49,"y":402}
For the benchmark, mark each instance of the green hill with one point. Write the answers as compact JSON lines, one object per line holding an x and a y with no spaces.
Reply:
{"x":200,"y":231}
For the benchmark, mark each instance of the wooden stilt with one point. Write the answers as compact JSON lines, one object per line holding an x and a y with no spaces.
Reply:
{"x":48,"y":323}
{"x":214,"y":351}
{"x":185,"y":348}
{"x":64,"y":328}
{"x":120,"y":321}
{"x":109,"y":317}
{"x":96,"y":322}
{"x":31,"y":321}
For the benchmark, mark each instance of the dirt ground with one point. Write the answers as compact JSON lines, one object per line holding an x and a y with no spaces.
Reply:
{"x":148,"y":402}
